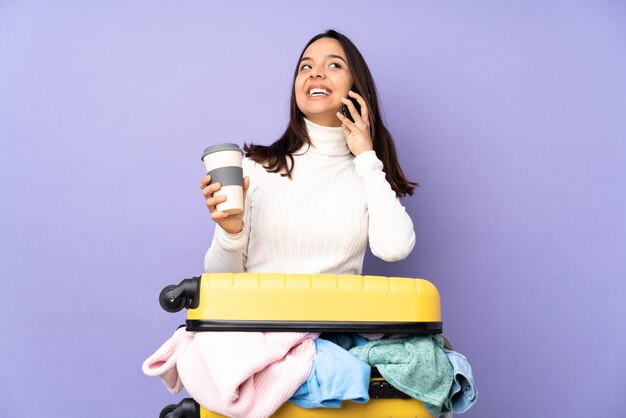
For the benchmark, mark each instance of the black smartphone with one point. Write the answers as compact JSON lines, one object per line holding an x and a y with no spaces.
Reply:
{"x":345,"y":110}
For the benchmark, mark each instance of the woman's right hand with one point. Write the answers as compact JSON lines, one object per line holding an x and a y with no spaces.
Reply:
{"x":229,"y":223}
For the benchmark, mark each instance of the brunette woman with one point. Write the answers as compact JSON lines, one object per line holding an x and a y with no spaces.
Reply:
{"x":327,"y":186}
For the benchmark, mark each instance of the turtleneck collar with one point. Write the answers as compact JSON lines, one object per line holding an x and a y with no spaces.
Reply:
{"x":326,"y":140}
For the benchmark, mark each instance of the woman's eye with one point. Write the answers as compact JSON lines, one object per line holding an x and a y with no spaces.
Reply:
{"x":305,"y":67}
{"x":335,"y":65}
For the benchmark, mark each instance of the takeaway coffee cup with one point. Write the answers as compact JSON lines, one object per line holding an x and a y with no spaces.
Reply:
{"x":223,"y":164}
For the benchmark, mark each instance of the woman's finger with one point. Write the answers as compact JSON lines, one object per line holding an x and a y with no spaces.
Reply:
{"x":206,"y":180}
{"x":209,"y":190}
{"x":212,"y":202}
{"x":349,"y":125}
{"x":218,"y":216}
{"x":246,"y":185}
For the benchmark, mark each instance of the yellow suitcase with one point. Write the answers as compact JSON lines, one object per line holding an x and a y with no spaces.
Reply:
{"x":304,"y":302}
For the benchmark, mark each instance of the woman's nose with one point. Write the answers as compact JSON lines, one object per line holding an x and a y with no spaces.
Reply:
{"x":317,"y":72}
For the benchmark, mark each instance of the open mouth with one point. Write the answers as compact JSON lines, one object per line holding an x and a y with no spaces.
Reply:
{"x":317,"y":92}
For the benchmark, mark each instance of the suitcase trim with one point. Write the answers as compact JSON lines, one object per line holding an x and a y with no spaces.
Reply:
{"x":316,"y":326}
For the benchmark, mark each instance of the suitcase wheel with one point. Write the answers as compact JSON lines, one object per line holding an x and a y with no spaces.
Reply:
{"x":169,"y":301}
{"x":165,"y":411}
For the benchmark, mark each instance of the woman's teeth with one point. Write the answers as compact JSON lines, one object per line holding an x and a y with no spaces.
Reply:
{"x":318,"y":92}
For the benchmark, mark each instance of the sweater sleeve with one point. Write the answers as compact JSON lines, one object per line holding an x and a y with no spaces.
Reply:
{"x":228,"y":252}
{"x":390,"y":229}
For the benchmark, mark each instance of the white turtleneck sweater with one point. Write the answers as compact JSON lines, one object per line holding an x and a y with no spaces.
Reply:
{"x":318,"y":221}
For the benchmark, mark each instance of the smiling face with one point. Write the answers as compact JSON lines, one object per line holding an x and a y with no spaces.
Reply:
{"x":323,"y":78}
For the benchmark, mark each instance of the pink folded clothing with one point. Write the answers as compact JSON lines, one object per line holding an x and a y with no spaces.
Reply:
{"x":246,"y":374}
{"x":237,"y":374}
{"x":163,"y":362}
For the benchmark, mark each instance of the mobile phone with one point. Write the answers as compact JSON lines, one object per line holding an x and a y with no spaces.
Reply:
{"x":357,"y":106}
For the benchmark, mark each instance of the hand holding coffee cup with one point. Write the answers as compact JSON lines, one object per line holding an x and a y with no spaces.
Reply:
{"x":224,"y":187}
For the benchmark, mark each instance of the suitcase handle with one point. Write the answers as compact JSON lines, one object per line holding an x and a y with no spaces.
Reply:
{"x":381,"y":389}
{"x":173,"y":298}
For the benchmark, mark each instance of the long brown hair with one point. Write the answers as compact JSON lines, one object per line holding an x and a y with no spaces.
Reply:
{"x":274,"y":157}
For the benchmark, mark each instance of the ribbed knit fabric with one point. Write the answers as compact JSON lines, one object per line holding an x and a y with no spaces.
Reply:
{"x":318,"y":221}
{"x":236,"y":374}
{"x":163,"y":362}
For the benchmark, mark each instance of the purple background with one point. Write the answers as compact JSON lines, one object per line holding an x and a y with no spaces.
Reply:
{"x":511,"y":116}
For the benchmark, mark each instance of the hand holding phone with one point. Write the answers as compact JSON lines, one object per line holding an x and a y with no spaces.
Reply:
{"x":358,"y":135}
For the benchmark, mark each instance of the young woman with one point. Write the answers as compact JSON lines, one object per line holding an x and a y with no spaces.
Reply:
{"x":316,"y":196}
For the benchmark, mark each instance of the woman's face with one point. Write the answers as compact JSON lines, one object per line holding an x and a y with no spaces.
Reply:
{"x":323,"y":79}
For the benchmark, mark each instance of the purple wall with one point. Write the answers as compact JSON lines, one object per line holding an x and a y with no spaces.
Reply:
{"x":512,"y":118}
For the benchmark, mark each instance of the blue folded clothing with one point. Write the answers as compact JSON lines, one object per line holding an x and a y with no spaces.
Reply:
{"x":463,"y":393}
{"x":336,"y":375}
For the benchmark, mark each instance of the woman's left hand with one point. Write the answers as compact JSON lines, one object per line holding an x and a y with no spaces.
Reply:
{"x":357,"y":132}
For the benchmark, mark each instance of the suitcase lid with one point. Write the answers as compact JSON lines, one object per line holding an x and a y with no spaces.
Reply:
{"x":322,"y":302}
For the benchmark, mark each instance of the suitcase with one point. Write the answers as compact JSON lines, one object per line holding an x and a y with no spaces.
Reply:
{"x":304,"y":302}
